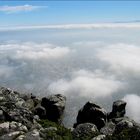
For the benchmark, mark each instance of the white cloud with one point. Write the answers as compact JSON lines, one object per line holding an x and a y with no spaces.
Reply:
{"x":21,"y":8}
{"x":122,"y":58}
{"x":86,"y":84}
{"x":133,"y":102}
{"x":44,"y":68}
{"x":34,"y":51}
{"x":44,"y":53}
{"x":74,"y":26}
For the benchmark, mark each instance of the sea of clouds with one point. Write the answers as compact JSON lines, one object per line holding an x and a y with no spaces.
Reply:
{"x":101,"y":65}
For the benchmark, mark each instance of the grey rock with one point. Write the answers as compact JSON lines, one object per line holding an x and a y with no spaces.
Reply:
{"x":33,"y":135}
{"x":25,"y":97}
{"x":21,"y":137}
{"x":54,"y":105}
{"x":20,"y":102}
{"x":124,"y":124}
{"x":29,"y":104}
{"x":99,"y":137}
{"x":2,"y":117}
{"x":11,"y":135}
{"x":85,"y":130}
{"x":4,"y":128}
{"x":15,"y":126}
{"x":118,"y":109}
{"x":92,"y":113}
{"x":40,"y":111}
{"x":108,"y":129}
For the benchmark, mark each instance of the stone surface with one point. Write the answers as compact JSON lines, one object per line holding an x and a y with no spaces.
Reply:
{"x":21,"y":137}
{"x":92,"y":113}
{"x":40,"y":111}
{"x":85,"y":130}
{"x":124,"y":124}
{"x":20,"y":116}
{"x":11,"y":136}
{"x":2,"y":117}
{"x":54,"y":105}
{"x":99,"y":137}
{"x":118,"y":109}
{"x":33,"y":135}
{"x":108,"y":129}
{"x":4,"y":128}
{"x":15,"y":126}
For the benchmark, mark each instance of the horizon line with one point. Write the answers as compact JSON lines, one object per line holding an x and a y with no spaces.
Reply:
{"x":73,"y":26}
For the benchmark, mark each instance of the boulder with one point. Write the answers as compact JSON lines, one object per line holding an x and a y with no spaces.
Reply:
{"x":92,"y":113}
{"x":21,"y":115}
{"x":99,"y":137}
{"x":40,"y":111}
{"x":2,"y":117}
{"x":32,"y":135}
{"x":12,"y":107}
{"x":11,"y":135}
{"x":4,"y":128}
{"x":118,"y":109}
{"x":117,"y":120}
{"x":108,"y":129}
{"x":54,"y":105}
{"x":124,"y":124}
{"x":29,"y":104}
{"x":126,"y":130}
{"x":85,"y":130}
{"x":21,"y":137}
{"x":15,"y":126}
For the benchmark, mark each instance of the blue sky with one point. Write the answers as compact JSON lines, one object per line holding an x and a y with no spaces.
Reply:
{"x":62,"y":12}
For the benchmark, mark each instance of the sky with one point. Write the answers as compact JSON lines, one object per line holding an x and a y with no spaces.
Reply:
{"x":67,"y":12}
{"x":85,"y":50}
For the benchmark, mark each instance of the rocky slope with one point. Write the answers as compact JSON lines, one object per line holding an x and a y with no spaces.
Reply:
{"x":27,"y":117}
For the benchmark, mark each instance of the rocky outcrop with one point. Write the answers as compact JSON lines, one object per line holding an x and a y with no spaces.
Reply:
{"x":40,"y":111}
{"x":85,"y":130}
{"x":27,"y":117}
{"x":99,"y":137}
{"x":108,"y":129}
{"x":118,"y":109}
{"x":20,"y":114}
{"x":54,"y":105}
{"x":92,"y":113}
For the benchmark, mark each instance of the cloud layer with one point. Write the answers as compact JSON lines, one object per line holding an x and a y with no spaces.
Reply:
{"x":122,"y":58}
{"x":98,"y":65}
{"x":64,"y":26}
{"x":86,"y":84}
{"x":33,"y":51}
{"x":133,"y":102}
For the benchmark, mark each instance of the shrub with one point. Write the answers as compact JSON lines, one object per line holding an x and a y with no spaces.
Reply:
{"x":126,"y":134}
{"x":61,"y":133}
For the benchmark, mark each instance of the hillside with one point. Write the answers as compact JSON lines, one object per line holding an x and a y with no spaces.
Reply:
{"x":27,"y":117}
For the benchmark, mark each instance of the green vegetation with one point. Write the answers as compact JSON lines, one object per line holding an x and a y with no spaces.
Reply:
{"x":126,"y":134}
{"x":61,"y":133}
